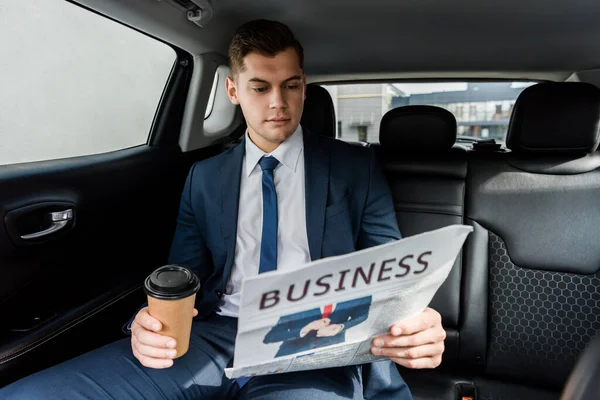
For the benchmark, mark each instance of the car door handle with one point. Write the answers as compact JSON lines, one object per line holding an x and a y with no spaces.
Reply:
{"x":59,"y":220}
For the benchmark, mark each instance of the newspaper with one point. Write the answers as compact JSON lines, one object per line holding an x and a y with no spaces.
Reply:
{"x":326,"y":313}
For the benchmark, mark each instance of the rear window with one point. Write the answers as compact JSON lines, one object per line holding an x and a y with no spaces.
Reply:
{"x":482,"y":109}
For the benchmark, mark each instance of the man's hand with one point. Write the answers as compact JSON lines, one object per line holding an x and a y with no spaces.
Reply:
{"x":416,"y":342}
{"x":314,"y":326}
{"x":330,"y":330}
{"x":152,"y":349}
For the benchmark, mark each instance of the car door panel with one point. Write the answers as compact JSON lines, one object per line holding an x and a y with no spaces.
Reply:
{"x":84,"y":280}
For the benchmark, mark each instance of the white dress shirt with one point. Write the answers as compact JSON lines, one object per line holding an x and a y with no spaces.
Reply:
{"x":292,"y":239}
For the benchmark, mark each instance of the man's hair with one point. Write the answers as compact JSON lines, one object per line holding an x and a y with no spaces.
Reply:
{"x":265,"y":37}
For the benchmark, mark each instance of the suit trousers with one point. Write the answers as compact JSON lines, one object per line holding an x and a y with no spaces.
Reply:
{"x":113,"y":372}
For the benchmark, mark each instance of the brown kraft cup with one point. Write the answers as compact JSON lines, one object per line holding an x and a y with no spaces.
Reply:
{"x":171,"y":291}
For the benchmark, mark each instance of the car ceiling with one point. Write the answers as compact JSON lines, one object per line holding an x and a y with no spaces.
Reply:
{"x":383,"y":36}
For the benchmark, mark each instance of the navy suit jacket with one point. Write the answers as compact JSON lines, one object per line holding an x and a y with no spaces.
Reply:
{"x":348,"y":207}
{"x":350,"y":313}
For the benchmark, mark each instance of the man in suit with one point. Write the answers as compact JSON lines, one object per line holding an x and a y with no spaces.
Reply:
{"x":284,"y":196}
{"x":316,"y":328}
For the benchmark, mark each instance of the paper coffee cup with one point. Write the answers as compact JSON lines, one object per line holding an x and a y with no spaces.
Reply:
{"x":171,"y":291}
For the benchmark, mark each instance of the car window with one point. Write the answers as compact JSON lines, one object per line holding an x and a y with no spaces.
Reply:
{"x":482,"y":109}
{"x":74,"y":83}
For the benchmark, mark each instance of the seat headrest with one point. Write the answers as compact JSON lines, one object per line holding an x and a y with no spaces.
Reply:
{"x":554,"y":117}
{"x":318,"y":115}
{"x":417,"y":128}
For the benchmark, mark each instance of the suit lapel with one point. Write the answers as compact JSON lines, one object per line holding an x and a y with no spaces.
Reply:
{"x":229,"y":176}
{"x":316,"y":173}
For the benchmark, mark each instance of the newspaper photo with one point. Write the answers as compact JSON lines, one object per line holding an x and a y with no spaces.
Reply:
{"x":326,"y":313}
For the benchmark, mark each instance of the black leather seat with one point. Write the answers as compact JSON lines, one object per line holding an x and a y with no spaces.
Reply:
{"x":531,"y":290}
{"x":319,"y":112}
{"x":524,"y":298}
{"x":427,"y":177}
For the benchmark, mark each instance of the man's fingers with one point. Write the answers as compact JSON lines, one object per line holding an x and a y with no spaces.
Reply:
{"x":152,"y":339}
{"x":155,"y":352}
{"x":330,"y":330}
{"x":150,"y":362}
{"x":410,"y":353}
{"x":325,"y":331}
{"x":316,"y":325}
{"x":147,"y":321}
{"x":431,"y":335}
{"x":420,"y":363}
{"x":427,"y":319}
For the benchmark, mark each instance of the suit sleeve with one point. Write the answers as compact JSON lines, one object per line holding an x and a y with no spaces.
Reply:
{"x":284,"y":330}
{"x":378,"y":223}
{"x":279,"y":333}
{"x":188,"y":246}
{"x":358,"y":313}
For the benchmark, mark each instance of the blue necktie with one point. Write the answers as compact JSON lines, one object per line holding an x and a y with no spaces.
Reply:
{"x":268,"y":244}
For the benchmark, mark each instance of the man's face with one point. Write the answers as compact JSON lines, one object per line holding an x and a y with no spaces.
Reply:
{"x":270,"y":91}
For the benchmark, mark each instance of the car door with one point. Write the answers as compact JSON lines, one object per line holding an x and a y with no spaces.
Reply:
{"x":90,"y":178}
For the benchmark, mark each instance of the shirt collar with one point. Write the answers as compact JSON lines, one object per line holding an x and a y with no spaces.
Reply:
{"x":288,"y":152}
